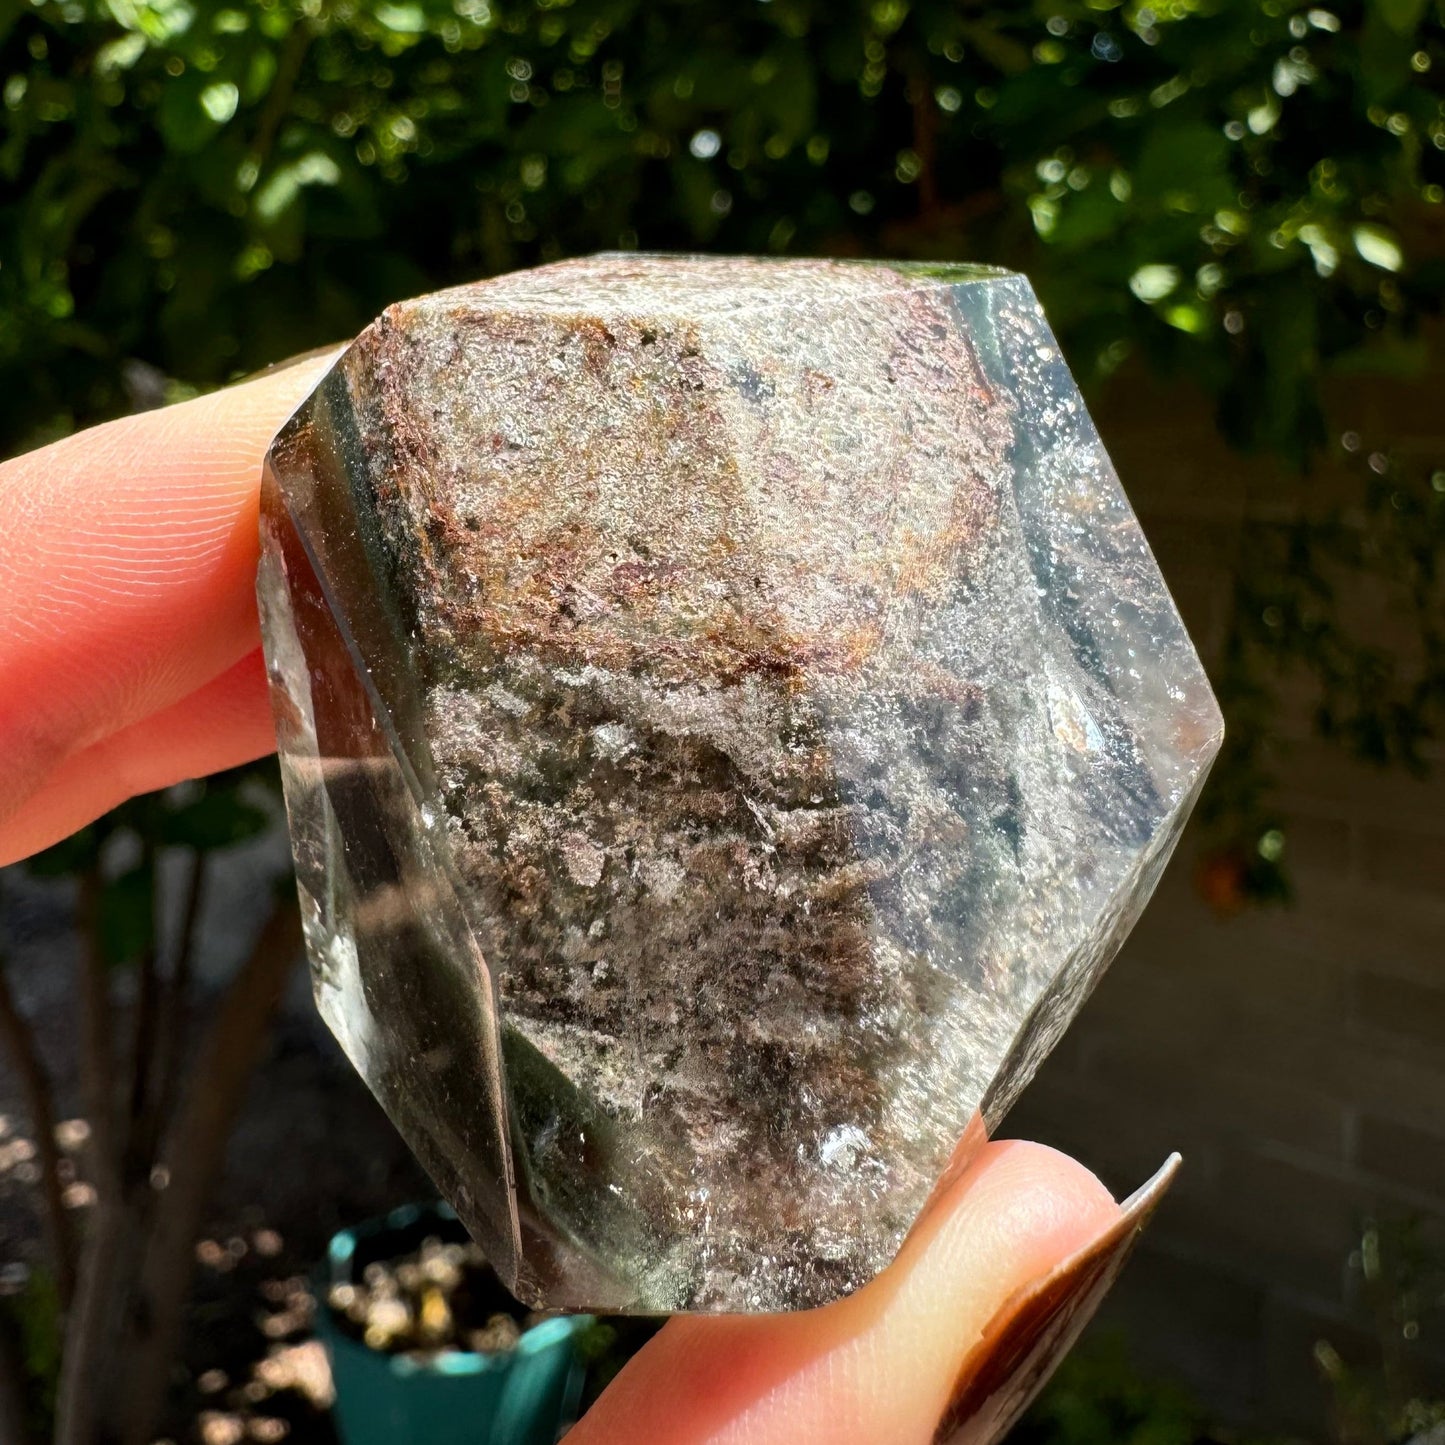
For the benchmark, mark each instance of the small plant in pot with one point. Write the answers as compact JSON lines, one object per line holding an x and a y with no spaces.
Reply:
{"x":428,"y":1348}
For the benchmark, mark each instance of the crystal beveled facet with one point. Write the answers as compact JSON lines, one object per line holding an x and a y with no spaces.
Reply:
{"x":729,"y":717}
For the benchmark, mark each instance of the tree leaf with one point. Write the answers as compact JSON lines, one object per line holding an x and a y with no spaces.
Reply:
{"x":125,"y":921}
{"x":219,"y":818}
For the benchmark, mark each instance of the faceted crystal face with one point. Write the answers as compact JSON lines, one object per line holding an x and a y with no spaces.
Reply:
{"x":730,"y":717}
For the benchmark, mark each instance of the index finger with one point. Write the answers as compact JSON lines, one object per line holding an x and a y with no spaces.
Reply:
{"x":127,"y":562}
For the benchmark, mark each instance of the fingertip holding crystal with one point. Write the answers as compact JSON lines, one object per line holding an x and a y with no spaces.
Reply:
{"x":729,"y":719}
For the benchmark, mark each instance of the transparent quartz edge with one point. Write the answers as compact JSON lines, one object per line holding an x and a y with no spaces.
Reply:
{"x":1027,"y":362}
{"x":541,"y":1263}
{"x":474,"y":1172}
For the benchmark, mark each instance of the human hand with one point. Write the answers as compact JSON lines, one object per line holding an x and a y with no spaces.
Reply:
{"x":130,"y":651}
{"x":130,"y":660}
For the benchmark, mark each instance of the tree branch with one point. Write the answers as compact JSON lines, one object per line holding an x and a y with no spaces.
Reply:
{"x":13,"y":1423}
{"x":925,"y":138}
{"x":175,"y":995}
{"x":136,"y":1151}
{"x":283,"y":87}
{"x":89,"y":1362}
{"x":88,"y":1359}
{"x":19,"y":1044}
{"x":194,"y":1152}
{"x":96,"y":1067}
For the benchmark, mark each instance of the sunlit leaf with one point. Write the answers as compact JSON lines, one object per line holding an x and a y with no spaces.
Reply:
{"x":1189,"y":317}
{"x":219,"y":101}
{"x":1154,"y":282}
{"x":1377,"y":246}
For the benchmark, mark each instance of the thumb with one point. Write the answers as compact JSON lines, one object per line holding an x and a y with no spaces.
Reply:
{"x":949,"y":1343}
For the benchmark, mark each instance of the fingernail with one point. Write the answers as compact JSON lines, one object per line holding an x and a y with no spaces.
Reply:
{"x":1028,"y":1337}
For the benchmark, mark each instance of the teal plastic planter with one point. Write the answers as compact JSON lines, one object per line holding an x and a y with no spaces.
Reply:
{"x":524,"y":1397}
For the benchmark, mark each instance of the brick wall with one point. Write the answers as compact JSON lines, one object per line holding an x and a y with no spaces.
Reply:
{"x":1295,"y":1056}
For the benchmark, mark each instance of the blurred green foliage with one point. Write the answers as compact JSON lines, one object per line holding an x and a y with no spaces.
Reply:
{"x":1248,"y":189}
{"x":32,"y":1316}
{"x":1247,"y":192}
{"x":120,"y":851}
{"x":1398,"y":1276}
{"x":1099,"y":1397}
{"x":1381,"y":698}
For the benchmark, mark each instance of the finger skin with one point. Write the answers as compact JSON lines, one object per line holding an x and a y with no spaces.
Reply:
{"x":876,"y":1368}
{"x":127,"y":563}
{"x":221,"y":725}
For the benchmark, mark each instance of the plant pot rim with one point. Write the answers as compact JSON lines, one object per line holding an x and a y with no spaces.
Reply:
{"x":340,"y":1252}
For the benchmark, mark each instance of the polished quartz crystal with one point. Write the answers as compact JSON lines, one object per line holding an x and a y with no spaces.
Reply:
{"x":730,"y":717}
